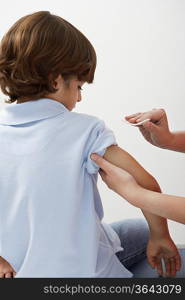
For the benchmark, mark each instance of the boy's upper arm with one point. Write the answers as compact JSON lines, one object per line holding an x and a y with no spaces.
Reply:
{"x":124,"y":160}
{"x":99,"y":139}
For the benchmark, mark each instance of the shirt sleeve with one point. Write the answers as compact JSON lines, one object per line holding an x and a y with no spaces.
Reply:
{"x":100,"y":138}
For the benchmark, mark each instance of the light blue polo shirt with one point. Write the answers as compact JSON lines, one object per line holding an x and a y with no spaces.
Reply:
{"x":50,"y":209}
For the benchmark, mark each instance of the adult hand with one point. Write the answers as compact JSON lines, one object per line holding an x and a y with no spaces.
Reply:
{"x":6,"y":270}
{"x":116,"y":178}
{"x":156,"y":131}
{"x":163,"y":248}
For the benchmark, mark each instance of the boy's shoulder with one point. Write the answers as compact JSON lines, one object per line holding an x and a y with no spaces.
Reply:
{"x":86,"y":119}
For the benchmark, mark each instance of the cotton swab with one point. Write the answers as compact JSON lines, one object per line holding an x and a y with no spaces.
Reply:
{"x":139,"y":123}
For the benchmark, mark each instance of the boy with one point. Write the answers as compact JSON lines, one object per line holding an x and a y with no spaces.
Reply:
{"x":51,"y":210}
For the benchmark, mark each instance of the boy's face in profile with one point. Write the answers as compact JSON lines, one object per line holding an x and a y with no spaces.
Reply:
{"x":67,"y":95}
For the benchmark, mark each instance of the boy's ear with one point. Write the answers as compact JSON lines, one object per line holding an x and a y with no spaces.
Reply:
{"x":56,"y":81}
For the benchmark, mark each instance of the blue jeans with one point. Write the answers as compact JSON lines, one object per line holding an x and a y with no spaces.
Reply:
{"x":134,"y":235}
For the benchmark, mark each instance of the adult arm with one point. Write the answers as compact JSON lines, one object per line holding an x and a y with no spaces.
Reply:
{"x":167,"y":206}
{"x":160,"y":243}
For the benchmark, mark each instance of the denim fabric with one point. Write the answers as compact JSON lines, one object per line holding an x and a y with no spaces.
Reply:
{"x":133,"y":234}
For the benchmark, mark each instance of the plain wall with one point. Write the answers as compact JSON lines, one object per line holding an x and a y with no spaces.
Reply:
{"x":140,"y":47}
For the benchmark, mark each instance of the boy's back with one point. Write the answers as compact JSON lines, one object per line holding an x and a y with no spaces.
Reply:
{"x":50,"y":209}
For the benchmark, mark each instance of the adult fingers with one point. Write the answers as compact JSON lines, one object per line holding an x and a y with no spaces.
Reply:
{"x":144,"y":131}
{"x":159,"y":266}
{"x":102,"y":174}
{"x":132,"y":116}
{"x":102,"y":163}
{"x":1,"y":274}
{"x":173,"y":266}
{"x":8,"y":275}
{"x":133,"y":120}
{"x":155,"y":115}
{"x":152,"y":262}
{"x":151,"y":127}
{"x":178,"y":262}
{"x":167,"y":266}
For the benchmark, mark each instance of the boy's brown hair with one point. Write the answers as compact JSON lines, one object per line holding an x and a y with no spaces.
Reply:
{"x":39,"y":47}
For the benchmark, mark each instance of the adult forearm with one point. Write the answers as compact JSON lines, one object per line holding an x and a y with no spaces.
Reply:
{"x":167,"y":206}
{"x":177,"y":141}
{"x":157,"y":223}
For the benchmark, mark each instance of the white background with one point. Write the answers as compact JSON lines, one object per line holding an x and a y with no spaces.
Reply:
{"x":140,"y":47}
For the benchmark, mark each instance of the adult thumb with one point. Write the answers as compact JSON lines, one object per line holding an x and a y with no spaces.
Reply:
{"x":101,"y":162}
{"x":150,"y":126}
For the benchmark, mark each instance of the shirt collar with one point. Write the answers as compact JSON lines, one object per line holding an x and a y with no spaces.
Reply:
{"x":12,"y":114}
